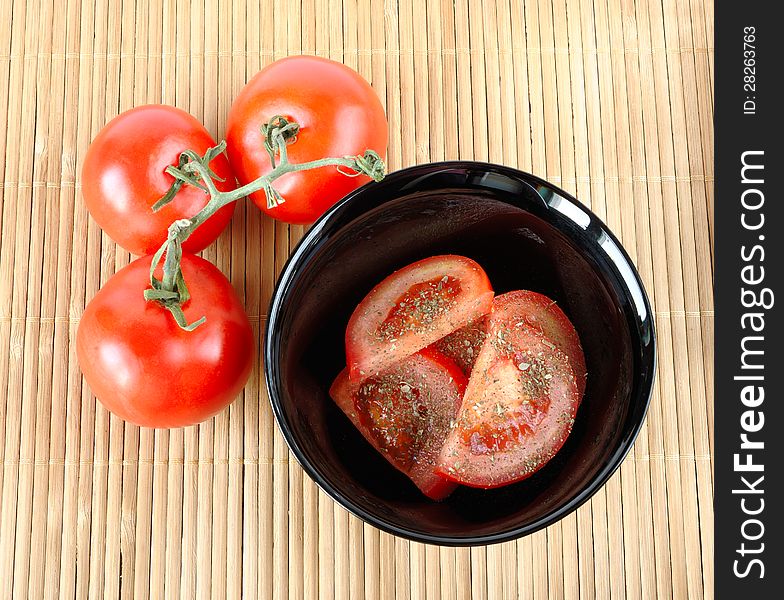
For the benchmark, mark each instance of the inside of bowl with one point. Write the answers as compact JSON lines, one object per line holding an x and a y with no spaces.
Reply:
{"x":516,"y":238}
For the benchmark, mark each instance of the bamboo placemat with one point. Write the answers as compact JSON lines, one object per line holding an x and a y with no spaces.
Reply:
{"x":610,"y":99}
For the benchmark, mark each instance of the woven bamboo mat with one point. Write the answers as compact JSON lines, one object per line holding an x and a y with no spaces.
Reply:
{"x":610,"y":99}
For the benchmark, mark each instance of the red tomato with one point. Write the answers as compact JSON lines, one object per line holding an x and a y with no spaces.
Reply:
{"x":406,"y":414}
{"x":518,"y":408}
{"x":147,"y":370}
{"x":543,"y":314}
{"x":339,"y":114}
{"x":123,"y":176}
{"x":412,"y":308}
{"x":463,"y":346}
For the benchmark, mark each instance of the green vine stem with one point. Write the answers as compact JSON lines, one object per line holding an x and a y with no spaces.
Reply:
{"x":171,"y":292}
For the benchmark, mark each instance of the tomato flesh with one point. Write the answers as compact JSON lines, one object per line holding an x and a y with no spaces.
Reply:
{"x":518,"y":409}
{"x":413,"y":308}
{"x":406,"y":413}
{"x":463,"y":346}
{"x":420,"y":306}
{"x":543,"y":314}
{"x":508,"y":424}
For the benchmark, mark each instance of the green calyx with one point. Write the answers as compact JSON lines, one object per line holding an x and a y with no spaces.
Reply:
{"x":171,"y":292}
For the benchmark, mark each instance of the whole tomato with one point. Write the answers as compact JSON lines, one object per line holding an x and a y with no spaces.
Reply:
{"x":338,"y":113}
{"x":124,"y":175}
{"x":144,"y":368}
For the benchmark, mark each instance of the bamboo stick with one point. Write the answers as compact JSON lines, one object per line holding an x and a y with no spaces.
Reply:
{"x":9,"y":71}
{"x":492,"y":81}
{"x":476,"y":48}
{"x":62,"y":520}
{"x":326,"y":587}
{"x":432,"y":49}
{"x":695,"y":294}
{"x":533,"y":51}
{"x":522,"y":104}
{"x":506,"y":42}
{"x":51,"y":135}
{"x":693,"y":32}
{"x":132,"y":92}
{"x":402,"y":569}
{"x":17,"y":168}
{"x":30,"y":263}
{"x":297,"y":548}
{"x":418,"y":571}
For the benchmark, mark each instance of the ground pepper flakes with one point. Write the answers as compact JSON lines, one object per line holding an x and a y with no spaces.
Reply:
{"x":463,"y":345}
{"x":420,"y":307}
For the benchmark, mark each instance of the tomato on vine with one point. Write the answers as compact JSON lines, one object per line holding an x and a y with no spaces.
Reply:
{"x":150,"y":371}
{"x":337,"y":114}
{"x":166,"y":343}
{"x":124,"y":175}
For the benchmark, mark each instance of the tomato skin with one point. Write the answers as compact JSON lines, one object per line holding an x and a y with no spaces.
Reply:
{"x":369,"y":352}
{"x":144,"y":368}
{"x":449,"y":365}
{"x":339,"y":114}
{"x":123,"y":176}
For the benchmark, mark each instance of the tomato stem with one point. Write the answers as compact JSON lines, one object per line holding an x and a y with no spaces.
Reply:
{"x":194,"y":170}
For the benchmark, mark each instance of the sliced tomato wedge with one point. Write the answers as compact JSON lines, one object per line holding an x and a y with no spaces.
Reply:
{"x":406,"y":414}
{"x":518,"y":408}
{"x":463,"y":346}
{"x":544,"y":315}
{"x":411,"y":309}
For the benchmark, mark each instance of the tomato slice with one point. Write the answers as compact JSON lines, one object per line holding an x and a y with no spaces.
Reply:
{"x":411,"y":309}
{"x":543,"y":314}
{"x":518,"y":408}
{"x":463,"y":346}
{"x":406,"y":414}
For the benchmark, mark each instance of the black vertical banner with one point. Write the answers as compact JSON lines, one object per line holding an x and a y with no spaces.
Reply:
{"x":749,"y":260}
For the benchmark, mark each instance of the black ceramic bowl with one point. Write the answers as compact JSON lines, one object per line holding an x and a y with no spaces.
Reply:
{"x":527,"y":234}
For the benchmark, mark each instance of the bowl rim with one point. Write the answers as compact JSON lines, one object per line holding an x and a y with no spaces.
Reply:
{"x":273,"y":376}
